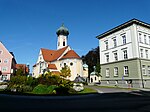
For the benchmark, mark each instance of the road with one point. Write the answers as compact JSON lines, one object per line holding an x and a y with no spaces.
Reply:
{"x":104,"y":102}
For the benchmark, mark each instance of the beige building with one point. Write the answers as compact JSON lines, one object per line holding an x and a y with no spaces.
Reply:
{"x":54,"y":60}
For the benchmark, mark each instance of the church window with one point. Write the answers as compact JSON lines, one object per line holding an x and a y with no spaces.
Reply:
{"x":63,"y":43}
{"x":64,"y":64}
{"x":58,"y":43}
{"x":71,"y":64}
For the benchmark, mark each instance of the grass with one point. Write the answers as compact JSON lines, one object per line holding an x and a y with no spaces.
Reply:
{"x":87,"y":91}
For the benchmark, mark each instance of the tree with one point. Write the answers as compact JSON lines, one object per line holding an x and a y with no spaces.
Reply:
{"x":92,"y":59}
{"x":19,"y":72}
{"x":98,"y":68}
{"x":65,"y":72}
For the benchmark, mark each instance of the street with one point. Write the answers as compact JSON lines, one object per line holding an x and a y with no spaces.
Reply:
{"x":102,"y":102}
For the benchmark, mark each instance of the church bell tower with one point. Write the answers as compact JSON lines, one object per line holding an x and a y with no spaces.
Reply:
{"x":62,"y":34}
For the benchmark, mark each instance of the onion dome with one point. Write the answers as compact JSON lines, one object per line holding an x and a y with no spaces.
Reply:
{"x":62,"y":31}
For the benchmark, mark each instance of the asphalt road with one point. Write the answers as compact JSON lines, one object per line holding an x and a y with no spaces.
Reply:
{"x":105,"y":102}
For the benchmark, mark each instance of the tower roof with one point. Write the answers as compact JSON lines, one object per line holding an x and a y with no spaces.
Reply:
{"x":62,"y":31}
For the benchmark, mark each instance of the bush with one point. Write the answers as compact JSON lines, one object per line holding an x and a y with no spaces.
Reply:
{"x":72,"y":91}
{"x":19,"y":88}
{"x":62,"y":90}
{"x":18,"y":80}
{"x":40,"y":89}
{"x":51,"y":89}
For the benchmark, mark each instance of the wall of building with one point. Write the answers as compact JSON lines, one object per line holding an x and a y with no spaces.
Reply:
{"x":119,"y":48}
{"x":40,"y":65}
{"x":5,"y":63}
{"x":75,"y":66}
{"x":138,"y":37}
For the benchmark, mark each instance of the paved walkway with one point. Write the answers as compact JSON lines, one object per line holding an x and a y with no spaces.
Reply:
{"x":137,"y":91}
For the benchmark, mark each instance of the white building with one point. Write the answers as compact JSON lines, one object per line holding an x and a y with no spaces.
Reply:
{"x":54,"y":60}
{"x":125,"y":55}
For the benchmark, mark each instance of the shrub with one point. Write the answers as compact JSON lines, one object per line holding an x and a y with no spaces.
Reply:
{"x":18,"y":80}
{"x":72,"y":91}
{"x":26,"y":88}
{"x":51,"y":89}
{"x":40,"y":89}
{"x":62,"y":90}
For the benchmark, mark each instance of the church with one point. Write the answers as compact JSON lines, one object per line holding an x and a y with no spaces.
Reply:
{"x":54,"y":60}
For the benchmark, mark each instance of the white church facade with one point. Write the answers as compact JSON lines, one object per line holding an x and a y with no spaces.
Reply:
{"x":54,"y":60}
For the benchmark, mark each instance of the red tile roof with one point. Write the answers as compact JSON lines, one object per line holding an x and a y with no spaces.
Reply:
{"x":18,"y":66}
{"x":51,"y":55}
{"x":71,"y":54}
{"x":52,"y":66}
{"x":22,"y":66}
{"x":47,"y":54}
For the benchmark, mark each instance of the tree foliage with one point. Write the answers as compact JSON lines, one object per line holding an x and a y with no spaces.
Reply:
{"x":65,"y":72}
{"x":20,"y":72}
{"x":92,"y":59}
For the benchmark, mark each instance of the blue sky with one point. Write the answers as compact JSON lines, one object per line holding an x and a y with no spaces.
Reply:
{"x":28,"y":25}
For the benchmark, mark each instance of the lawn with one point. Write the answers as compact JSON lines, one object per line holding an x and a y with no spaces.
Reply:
{"x":88,"y":90}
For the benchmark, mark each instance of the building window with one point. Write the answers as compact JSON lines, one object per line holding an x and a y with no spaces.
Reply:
{"x":65,"y":64}
{"x":107,"y":72}
{"x":146,"y":52}
{"x":0,"y":61}
{"x":126,"y":71}
{"x":145,"y":39}
{"x":116,"y":71}
{"x":149,"y":40}
{"x":95,"y":78}
{"x":141,"y":50}
{"x":58,"y":43}
{"x":1,"y":51}
{"x":116,"y":81}
{"x":71,"y":64}
{"x":64,"y":43}
{"x":6,"y":61}
{"x":4,"y":77}
{"x":143,"y":70}
{"x":4,"y":69}
{"x":148,"y":70}
{"x":115,"y":42}
{"x":108,"y":82}
{"x":140,"y":38}
{"x":106,"y":44}
{"x":107,"y":57}
{"x":115,"y":56}
{"x":124,"y":39}
{"x":125,"y":54}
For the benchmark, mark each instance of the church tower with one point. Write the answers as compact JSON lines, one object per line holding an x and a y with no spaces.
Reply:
{"x":62,"y":34}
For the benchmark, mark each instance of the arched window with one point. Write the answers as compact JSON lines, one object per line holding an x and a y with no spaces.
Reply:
{"x":64,"y":43}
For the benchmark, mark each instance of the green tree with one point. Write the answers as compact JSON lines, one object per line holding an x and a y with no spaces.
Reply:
{"x":98,"y":68}
{"x":92,"y":59}
{"x":20,"y":72}
{"x":65,"y":72}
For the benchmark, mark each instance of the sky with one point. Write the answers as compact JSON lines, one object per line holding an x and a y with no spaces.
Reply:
{"x":28,"y":25}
